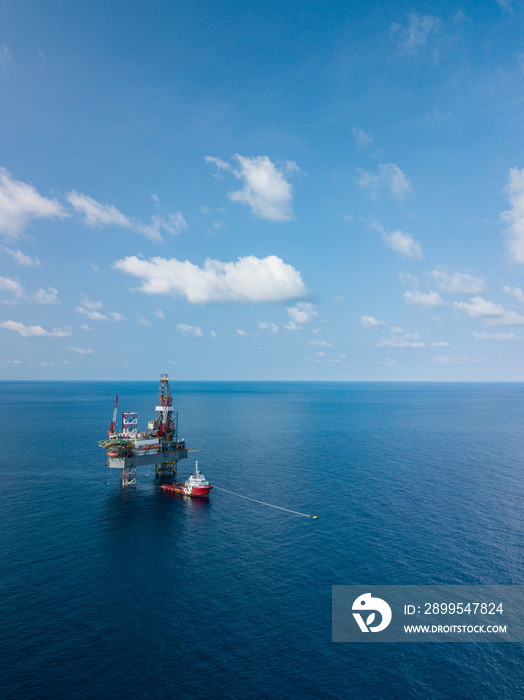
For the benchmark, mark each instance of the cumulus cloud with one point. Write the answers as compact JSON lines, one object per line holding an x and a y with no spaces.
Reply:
{"x":360,"y":136}
{"x":390,"y":177}
{"x":96,"y":215}
{"x":20,"y":203}
{"x":370,"y":322}
{"x":82,"y":351}
{"x":17,"y":293}
{"x":491,"y":313}
{"x":27,"y":331}
{"x":20,"y":258}
{"x":457,"y":282}
{"x":189,"y":331}
{"x":46,"y":296}
{"x":427,"y":299}
{"x":440,"y":344}
{"x":265,"y":188}
{"x":404,"y":244}
{"x":301,"y":313}
{"x":416,"y":33}
{"x":248,"y":279}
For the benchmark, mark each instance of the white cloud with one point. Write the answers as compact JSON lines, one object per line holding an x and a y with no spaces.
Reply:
{"x":85,"y":327}
{"x":426,"y":299}
{"x":20,"y":203}
{"x":417,"y":32}
{"x":144,"y":321}
{"x":27,"y":331}
{"x":440,"y":344}
{"x":6,"y":59}
{"x":266,"y":326}
{"x":493,"y":314}
{"x":91,"y":309}
{"x":82,"y":351}
{"x":448,"y":360}
{"x":96,"y":214}
{"x":495,"y":336}
{"x":370,"y":322}
{"x":389,"y":177}
{"x":265,"y":190}
{"x":242,"y":332}
{"x":514,"y":292}
{"x":248,"y":279}
{"x":457,"y":282}
{"x":400,"y":343}
{"x":20,"y":258}
{"x":303,"y":312}
{"x":515,"y":216}
{"x":159,"y":313}
{"x":46,"y":296}
{"x":402,"y":243}
{"x":18,"y":293}
{"x":189,"y":331}
{"x":321,"y":343}
{"x":360,"y":136}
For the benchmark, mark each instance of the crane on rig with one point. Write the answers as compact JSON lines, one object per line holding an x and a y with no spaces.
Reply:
{"x":159,"y":444}
{"x":113,"y":422}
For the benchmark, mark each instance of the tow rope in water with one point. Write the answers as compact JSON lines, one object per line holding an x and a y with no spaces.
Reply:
{"x":305,"y":515}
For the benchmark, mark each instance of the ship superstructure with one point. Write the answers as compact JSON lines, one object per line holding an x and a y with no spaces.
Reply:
{"x":158,"y":445}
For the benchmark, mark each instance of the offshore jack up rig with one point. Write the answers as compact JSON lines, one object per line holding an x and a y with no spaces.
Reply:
{"x":158,"y":445}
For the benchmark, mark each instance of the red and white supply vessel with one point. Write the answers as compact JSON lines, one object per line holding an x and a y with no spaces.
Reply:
{"x":196,"y":486}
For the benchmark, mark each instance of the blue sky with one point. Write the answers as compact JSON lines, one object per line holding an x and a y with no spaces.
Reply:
{"x":277,"y":190}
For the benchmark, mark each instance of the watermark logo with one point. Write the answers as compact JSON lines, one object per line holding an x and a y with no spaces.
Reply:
{"x":372,"y":605}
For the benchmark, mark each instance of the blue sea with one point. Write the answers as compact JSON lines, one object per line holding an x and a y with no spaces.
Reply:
{"x":138,"y":594}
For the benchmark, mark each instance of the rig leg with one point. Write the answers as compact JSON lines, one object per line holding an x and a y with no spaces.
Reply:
{"x":128,"y":477}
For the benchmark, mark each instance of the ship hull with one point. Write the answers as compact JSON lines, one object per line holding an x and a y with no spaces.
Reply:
{"x":196,"y":491}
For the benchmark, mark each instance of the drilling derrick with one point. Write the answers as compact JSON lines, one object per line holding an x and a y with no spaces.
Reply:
{"x":158,"y":445}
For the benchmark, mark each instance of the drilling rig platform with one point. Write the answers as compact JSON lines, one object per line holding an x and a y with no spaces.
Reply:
{"x":158,"y":445}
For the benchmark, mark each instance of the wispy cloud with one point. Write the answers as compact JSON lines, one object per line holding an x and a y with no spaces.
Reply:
{"x":28,"y":331}
{"x":266,"y":326}
{"x":249,"y":279}
{"x":396,"y":342}
{"x":514,"y":292}
{"x":81,"y":351}
{"x":20,"y":203}
{"x":20,"y":258}
{"x":457,"y":282}
{"x":97,"y":215}
{"x":6,"y":59}
{"x":416,"y":33}
{"x":389,"y":177}
{"x":361,"y":137}
{"x":189,"y":331}
{"x":265,"y":188}
{"x":495,"y":336}
{"x":400,"y":242}
{"x":91,"y":309}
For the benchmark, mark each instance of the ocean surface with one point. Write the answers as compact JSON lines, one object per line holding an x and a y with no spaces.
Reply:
{"x":138,"y":594}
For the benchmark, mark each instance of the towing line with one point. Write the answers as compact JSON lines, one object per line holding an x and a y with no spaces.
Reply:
{"x":305,"y":515}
